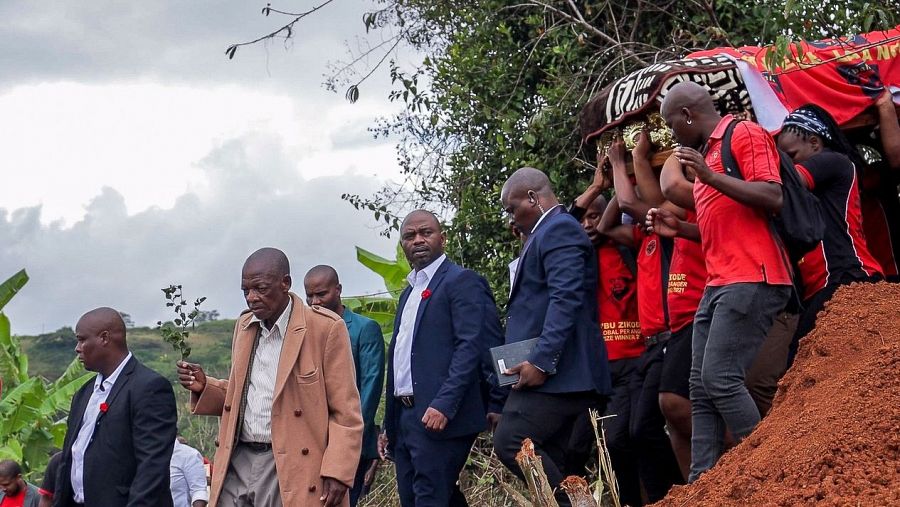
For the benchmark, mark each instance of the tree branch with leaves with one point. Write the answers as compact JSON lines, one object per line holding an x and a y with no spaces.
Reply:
{"x":176,"y":332}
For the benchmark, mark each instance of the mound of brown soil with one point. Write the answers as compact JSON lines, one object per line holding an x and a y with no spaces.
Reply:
{"x":833,"y":435}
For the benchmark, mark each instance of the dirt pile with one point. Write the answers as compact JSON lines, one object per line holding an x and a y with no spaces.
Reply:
{"x":833,"y":435}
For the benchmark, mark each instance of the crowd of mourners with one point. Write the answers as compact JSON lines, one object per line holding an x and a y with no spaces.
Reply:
{"x":713,"y":303}
{"x":672,"y":308}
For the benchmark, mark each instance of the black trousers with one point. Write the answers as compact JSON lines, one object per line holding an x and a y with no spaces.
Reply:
{"x":616,"y":423}
{"x":357,"y":490}
{"x":657,"y":465}
{"x":549,"y":420}
{"x":427,"y":467}
{"x":622,"y":448}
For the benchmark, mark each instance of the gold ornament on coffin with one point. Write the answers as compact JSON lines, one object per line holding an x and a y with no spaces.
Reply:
{"x":661,"y":136}
{"x":632,"y":133}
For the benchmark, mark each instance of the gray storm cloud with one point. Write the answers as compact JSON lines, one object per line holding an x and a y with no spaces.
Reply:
{"x":120,"y":260}
{"x":181,"y":41}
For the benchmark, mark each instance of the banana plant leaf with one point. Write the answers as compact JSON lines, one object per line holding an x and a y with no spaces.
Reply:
{"x":22,"y":406}
{"x":60,"y":393}
{"x":392,"y":272}
{"x":10,"y":355}
{"x":11,"y":286}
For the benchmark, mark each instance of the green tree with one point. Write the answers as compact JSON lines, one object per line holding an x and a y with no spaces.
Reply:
{"x":501,"y":85}
{"x":32,"y":409}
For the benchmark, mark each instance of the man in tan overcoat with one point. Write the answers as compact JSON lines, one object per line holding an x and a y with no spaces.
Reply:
{"x":291,"y":428}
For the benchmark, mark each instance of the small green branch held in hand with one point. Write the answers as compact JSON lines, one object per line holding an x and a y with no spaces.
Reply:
{"x":176,"y":333}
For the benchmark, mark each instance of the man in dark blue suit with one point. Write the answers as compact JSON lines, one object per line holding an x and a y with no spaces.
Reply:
{"x":554,"y":299}
{"x":435,"y":404}
{"x":121,"y":426}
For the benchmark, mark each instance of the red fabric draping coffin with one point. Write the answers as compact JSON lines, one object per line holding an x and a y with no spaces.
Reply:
{"x":844,"y":76}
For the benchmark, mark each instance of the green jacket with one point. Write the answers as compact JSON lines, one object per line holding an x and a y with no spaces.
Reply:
{"x":32,"y":497}
{"x":367,"y":345}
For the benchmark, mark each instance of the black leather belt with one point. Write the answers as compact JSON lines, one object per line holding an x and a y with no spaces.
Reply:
{"x":257,"y":446}
{"x":663,"y":337}
{"x":406,"y":401}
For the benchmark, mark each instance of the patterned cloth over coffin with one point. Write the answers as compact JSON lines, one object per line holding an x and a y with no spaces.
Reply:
{"x":639,"y":93}
{"x":843,"y":76}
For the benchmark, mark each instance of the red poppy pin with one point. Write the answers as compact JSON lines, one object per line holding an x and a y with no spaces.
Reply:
{"x":104,"y":407}
{"x":426,"y":293}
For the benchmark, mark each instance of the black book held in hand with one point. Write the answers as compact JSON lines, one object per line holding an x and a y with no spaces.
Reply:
{"x":509,"y":355}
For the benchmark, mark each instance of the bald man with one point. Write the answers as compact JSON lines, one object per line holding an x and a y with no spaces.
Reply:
{"x":121,"y":426}
{"x":748,"y":279}
{"x":291,"y":429}
{"x":554,"y":299}
{"x":323,"y":288}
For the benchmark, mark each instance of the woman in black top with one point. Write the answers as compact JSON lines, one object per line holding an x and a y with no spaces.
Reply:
{"x":828,"y":164}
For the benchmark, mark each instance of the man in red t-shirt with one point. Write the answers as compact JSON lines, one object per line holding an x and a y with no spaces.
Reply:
{"x":620,"y":329}
{"x":749,"y":281}
{"x":687,"y":281}
{"x":14,"y":491}
{"x":659,"y":469}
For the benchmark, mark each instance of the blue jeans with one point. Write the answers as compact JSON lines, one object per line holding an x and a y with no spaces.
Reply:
{"x":729,"y":328}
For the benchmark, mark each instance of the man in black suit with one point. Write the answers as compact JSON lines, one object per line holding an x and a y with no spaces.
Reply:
{"x":554,"y":299}
{"x":435,"y":401}
{"x":121,"y":426}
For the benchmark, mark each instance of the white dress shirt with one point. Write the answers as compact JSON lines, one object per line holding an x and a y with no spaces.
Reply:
{"x":513,"y":268}
{"x":187,"y":476}
{"x":418,"y":280}
{"x":541,"y":219}
{"x":102,"y":387}
{"x":257,"y":425}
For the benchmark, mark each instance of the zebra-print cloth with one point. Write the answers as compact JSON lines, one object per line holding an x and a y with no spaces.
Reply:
{"x":633,"y":96}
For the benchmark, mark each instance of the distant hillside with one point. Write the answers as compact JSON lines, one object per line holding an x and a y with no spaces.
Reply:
{"x":50,"y":353}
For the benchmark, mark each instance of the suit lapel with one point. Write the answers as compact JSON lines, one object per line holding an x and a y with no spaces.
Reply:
{"x":528,"y":242}
{"x":293,"y":340}
{"x":515,"y":284}
{"x":350,"y":320}
{"x":242,"y":351}
{"x":432,"y":286}
{"x":81,"y":400}
{"x":123,"y":379}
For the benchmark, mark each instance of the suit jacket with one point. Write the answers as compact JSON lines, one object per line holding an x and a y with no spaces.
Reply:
{"x":127,"y":458}
{"x":554,"y":298}
{"x":316,"y":423}
{"x":454,"y":328}
{"x":367,"y":346}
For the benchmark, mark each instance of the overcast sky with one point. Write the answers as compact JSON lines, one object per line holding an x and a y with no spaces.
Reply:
{"x":134,"y":154}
